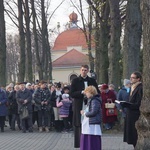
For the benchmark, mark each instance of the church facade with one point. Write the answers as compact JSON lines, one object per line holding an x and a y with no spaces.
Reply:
{"x":70,"y":51}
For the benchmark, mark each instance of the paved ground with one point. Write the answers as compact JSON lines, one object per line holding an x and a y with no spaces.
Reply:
{"x":16,"y":140}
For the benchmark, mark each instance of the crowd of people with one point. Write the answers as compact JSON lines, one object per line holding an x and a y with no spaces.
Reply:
{"x":48,"y":106}
{"x":83,"y":107}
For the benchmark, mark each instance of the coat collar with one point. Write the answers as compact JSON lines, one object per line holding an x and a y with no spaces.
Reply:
{"x":135,"y":90}
{"x":84,"y":79}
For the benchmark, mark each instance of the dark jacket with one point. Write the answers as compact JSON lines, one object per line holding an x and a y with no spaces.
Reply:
{"x":77,"y":87}
{"x":95,"y":110}
{"x":53,"y":98}
{"x":24,"y":95}
{"x":132,"y":115}
{"x":3,"y":101}
{"x":123,"y":95}
{"x":12,"y":103}
{"x":39,"y":96}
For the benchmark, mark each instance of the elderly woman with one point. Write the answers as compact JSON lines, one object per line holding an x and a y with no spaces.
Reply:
{"x":91,"y":129}
{"x":108,"y":96}
{"x":3,"y":109}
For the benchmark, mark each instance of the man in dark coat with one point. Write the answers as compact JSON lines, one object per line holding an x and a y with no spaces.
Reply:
{"x":24,"y":98}
{"x":77,"y":92}
{"x":133,"y":112}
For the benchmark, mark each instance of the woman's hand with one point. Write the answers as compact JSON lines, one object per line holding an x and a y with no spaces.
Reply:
{"x":82,"y":112}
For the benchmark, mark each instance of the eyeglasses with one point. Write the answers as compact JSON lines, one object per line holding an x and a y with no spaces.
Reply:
{"x":133,"y":78}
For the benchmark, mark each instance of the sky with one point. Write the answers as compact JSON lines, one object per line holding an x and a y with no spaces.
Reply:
{"x":61,"y":15}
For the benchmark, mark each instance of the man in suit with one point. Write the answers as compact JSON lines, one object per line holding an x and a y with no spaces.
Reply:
{"x":77,"y":92}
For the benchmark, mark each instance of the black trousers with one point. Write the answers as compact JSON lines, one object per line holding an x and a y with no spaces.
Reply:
{"x":15,"y":117}
{"x":66,"y":123}
{"x":77,"y":134}
{"x":29,"y":123}
{"x":43,"y":118}
{"x":2,"y":122}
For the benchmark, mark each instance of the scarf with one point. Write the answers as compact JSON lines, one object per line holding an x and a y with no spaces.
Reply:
{"x":133,"y":87}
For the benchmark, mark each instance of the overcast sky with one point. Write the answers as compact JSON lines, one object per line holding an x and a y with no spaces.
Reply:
{"x":61,"y":15}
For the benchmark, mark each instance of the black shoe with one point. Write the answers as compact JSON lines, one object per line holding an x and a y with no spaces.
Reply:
{"x":30,"y":130}
{"x":2,"y":129}
{"x":13,"y":129}
{"x":23,"y":131}
{"x":19,"y":127}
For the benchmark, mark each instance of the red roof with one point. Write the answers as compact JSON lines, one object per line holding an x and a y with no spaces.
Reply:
{"x":71,"y":37}
{"x":71,"y":58}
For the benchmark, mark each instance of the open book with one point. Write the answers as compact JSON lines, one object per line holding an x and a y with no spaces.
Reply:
{"x":122,"y":102}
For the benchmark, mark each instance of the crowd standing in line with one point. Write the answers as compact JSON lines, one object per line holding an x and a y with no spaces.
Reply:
{"x":66,"y":107}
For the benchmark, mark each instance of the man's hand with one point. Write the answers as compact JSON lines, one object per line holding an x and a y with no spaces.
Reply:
{"x":46,"y":103}
{"x":82,"y":92}
{"x":25,"y":101}
{"x":42,"y":103}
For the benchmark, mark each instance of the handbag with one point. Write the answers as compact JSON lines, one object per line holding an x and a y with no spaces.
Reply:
{"x":110,"y":105}
{"x":24,"y":113}
{"x":111,"y":112}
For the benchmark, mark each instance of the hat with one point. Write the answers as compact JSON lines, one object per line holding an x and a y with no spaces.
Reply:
{"x":65,"y":96}
{"x":104,"y":86}
{"x":7,"y":87}
{"x":28,"y":84}
{"x":11,"y":85}
{"x":58,"y":85}
{"x":100,"y":85}
{"x":126,"y":81}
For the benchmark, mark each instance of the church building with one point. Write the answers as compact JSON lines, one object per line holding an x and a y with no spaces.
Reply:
{"x":70,"y":51}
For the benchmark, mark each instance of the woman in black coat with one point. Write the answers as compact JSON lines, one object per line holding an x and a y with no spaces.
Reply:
{"x":133,"y":112}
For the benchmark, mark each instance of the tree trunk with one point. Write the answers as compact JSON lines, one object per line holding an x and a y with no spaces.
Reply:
{"x":2,"y":46}
{"x":44,"y":43}
{"x":114,"y":45}
{"x":88,"y":33}
{"x":39,"y":65}
{"x":102,"y":40}
{"x":21,"y":75}
{"x":50,"y":78}
{"x":143,"y":124}
{"x":132,"y":38}
{"x":28,"y":41}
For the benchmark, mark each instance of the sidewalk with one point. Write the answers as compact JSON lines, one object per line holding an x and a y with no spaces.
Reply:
{"x":16,"y":140}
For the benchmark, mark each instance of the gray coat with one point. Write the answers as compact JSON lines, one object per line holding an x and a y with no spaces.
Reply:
{"x":24,"y":95}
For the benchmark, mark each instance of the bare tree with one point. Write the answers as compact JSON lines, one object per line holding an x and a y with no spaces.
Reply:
{"x":132,"y":38}
{"x":13,"y":49}
{"x":143,"y":124}
{"x":38,"y":61}
{"x":2,"y":46}
{"x":102,"y":38}
{"x":29,"y":74}
{"x":114,"y":45}
{"x":21,"y":76}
